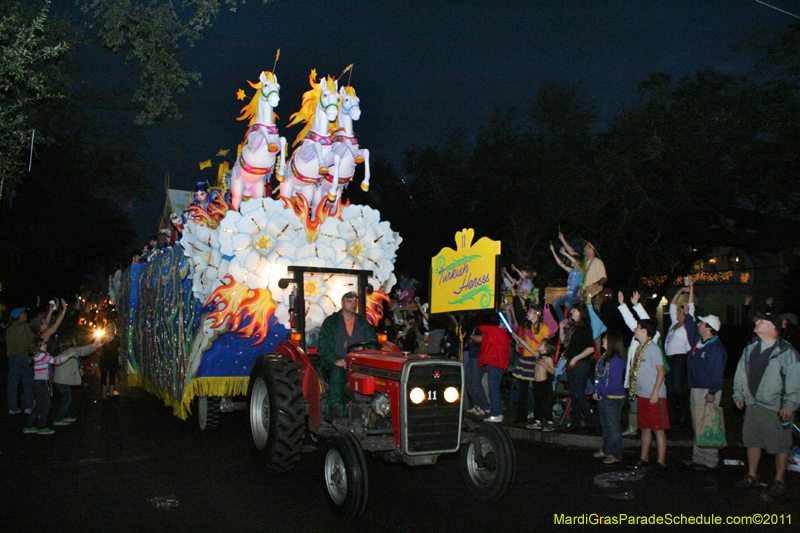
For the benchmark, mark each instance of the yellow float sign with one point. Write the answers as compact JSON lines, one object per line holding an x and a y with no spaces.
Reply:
{"x":465,"y":279}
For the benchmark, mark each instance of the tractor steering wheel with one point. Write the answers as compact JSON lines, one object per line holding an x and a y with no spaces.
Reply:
{"x":363,"y":345}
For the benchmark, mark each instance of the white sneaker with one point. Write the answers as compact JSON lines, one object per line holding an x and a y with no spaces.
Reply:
{"x":473,"y":410}
{"x":549,"y":427}
{"x":536,"y":425}
{"x":494,"y":419}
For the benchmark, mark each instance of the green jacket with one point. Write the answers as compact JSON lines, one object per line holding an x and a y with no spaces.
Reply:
{"x":780,"y":385}
{"x":327,"y":338}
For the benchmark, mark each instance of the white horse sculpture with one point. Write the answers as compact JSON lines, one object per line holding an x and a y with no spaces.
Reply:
{"x":345,"y":153}
{"x":261,"y":144}
{"x":307,"y":163}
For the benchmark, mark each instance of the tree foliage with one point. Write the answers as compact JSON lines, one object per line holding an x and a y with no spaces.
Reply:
{"x":149,"y":36}
{"x":32,"y":46}
{"x":695,"y":164}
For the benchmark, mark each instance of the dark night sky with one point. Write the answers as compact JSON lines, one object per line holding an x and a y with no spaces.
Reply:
{"x":425,"y":69}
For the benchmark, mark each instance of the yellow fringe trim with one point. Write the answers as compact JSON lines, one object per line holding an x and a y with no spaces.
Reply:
{"x":224,"y":386}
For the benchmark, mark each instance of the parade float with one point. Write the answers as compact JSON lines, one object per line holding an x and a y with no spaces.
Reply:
{"x":196,"y":315}
{"x":233,"y":312}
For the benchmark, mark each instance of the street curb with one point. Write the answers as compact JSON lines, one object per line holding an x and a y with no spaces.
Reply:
{"x":581,"y":441}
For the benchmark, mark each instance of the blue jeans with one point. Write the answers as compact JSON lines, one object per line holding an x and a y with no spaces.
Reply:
{"x":567,"y":301}
{"x":610,"y":417}
{"x":42,"y":394}
{"x":581,"y":412}
{"x":19,"y":369}
{"x":495,"y":377}
{"x":66,"y":397}
{"x":472,"y":381}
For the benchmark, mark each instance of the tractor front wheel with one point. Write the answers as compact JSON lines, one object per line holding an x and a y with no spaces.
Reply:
{"x":346,"y":476}
{"x":488,"y":462}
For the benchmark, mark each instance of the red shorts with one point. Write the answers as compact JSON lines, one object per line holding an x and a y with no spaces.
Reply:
{"x":653,"y":417}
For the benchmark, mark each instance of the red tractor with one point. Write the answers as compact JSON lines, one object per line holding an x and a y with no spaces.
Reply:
{"x":401,"y":407}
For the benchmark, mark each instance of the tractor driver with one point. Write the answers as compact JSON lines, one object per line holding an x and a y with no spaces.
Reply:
{"x":338,"y":332}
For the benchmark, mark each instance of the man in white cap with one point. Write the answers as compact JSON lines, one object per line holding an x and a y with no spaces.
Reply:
{"x":767,"y":381}
{"x":705,"y":368}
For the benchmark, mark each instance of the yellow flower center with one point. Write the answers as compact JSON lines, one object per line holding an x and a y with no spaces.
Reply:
{"x":312,"y":288}
{"x":207,"y":257}
{"x":262,"y":243}
{"x":358,"y":249}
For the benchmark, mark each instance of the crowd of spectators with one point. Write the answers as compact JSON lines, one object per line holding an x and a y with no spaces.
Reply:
{"x":48,"y":359}
{"x":532,"y":358}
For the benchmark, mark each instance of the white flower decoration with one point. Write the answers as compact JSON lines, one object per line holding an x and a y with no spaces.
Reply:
{"x":257,"y":245}
{"x":258,"y":237}
{"x":198,"y":243}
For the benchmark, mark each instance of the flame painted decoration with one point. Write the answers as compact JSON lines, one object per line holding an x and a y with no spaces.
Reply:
{"x":238,"y":264}
{"x":374,"y":306}
{"x":302,"y":209}
{"x":247,"y":311}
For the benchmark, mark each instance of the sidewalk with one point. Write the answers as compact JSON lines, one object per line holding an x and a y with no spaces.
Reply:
{"x":680,"y":437}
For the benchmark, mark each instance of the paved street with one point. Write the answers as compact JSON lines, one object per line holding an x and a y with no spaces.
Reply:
{"x":99,"y":473}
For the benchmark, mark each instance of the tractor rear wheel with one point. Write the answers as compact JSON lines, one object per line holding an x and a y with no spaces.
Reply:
{"x":277,"y":412}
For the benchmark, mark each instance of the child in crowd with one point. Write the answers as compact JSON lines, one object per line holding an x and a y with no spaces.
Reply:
{"x":648,"y":388}
{"x":528,"y":336}
{"x":610,"y":396}
{"x":41,"y":392}
{"x":543,"y":386}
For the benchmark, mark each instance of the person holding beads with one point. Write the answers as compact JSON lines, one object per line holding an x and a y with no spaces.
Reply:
{"x":648,"y":388}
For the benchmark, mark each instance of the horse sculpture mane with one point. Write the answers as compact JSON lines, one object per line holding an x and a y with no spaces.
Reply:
{"x":348,"y":90}
{"x":309,"y":106}
{"x":250,"y":111}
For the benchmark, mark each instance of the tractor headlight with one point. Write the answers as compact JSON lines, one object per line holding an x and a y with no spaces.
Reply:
{"x":417,"y":395}
{"x":451,"y":394}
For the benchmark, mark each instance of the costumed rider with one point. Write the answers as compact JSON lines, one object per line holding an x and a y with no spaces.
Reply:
{"x":338,"y":332}
{"x":200,"y":195}
{"x":199,"y":199}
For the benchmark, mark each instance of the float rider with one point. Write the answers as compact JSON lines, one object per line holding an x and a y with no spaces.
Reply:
{"x":338,"y":332}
